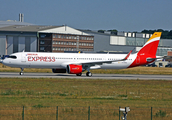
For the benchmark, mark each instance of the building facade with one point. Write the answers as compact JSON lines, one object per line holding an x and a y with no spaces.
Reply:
{"x":32,"y":38}
{"x":69,"y":42}
{"x":123,"y":42}
{"x":58,"y":42}
{"x":65,"y":39}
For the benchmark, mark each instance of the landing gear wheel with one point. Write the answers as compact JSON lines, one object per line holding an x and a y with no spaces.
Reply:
{"x":79,"y":74}
{"x":89,"y":74}
{"x":21,"y":73}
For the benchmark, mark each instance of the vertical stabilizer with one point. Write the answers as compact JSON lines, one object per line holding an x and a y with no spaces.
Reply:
{"x":147,"y":53}
{"x":150,"y":47}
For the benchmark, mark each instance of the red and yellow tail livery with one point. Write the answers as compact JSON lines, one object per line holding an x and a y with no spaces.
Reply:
{"x":147,"y":53}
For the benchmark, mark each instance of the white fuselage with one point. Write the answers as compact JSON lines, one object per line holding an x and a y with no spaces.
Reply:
{"x":61,"y":60}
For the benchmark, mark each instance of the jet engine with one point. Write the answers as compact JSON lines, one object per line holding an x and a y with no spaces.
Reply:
{"x":74,"y":69}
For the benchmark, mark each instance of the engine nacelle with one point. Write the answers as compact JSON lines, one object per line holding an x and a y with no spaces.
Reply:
{"x":74,"y":69}
{"x":59,"y":70}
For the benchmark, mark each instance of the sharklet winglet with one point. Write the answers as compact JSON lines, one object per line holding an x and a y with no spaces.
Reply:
{"x":128,"y":55}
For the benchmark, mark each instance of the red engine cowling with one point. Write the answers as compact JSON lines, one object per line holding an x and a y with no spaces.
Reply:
{"x":59,"y":70}
{"x":74,"y":69}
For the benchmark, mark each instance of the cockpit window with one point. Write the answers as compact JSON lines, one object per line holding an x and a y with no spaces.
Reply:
{"x":12,"y":56}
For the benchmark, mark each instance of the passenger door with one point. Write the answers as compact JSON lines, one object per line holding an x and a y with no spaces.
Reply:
{"x":23,"y":57}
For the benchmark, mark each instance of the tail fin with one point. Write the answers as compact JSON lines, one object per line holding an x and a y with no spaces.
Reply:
{"x":151,"y":45}
{"x":147,"y":54}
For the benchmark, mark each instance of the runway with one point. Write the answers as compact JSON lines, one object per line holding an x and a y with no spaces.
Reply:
{"x":95,"y":76}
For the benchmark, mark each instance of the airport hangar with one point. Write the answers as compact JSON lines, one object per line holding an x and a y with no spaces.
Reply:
{"x":20,"y":36}
{"x":123,"y":42}
{"x":34,"y":38}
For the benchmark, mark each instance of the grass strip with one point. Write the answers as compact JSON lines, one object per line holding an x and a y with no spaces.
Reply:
{"x":79,"y":92}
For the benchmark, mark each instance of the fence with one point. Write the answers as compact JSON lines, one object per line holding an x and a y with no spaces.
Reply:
{"x":81,"y":113}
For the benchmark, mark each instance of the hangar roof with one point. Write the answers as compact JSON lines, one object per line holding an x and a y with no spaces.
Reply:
{"x":64,"y":30}
{"x":16,"y":26}
{"x":26,"y":28}
{"x":42,"y":29}
{"x":12,"y":22}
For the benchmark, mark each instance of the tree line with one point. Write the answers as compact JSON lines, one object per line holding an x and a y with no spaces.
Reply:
{"x":165,"y":33}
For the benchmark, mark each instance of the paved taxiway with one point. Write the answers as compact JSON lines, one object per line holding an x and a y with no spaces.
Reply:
{"x":95,"y":76}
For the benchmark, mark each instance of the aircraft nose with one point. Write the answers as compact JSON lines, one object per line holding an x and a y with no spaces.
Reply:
{"x":4,"y":61}
{"x":1,"y":61}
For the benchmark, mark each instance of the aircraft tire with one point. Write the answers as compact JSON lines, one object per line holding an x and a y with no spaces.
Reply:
{"x":89,"y":74}
{"x":79,"y":74}
{"x":21,"y":73}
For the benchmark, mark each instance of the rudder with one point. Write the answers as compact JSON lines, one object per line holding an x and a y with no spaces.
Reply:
{"x":147,"y":53}
{"x":150,"y":47}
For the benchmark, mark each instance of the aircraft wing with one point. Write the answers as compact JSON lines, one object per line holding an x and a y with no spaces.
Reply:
{"x":91,"y":63}
{"x":109,"y":61}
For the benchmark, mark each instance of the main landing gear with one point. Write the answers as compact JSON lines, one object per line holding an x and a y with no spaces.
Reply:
{"x":79,"y":74}
{"x":89,"y":74}
{"x":21,"y":72}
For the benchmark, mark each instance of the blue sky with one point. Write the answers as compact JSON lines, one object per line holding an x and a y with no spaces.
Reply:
{"x":123,"y":15}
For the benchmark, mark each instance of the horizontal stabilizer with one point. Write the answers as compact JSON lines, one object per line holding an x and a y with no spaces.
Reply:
{"x":157,"y":58}
{"x":150,"y":59}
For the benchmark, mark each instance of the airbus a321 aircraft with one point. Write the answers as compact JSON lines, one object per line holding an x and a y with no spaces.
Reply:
{"x":76,"y":63}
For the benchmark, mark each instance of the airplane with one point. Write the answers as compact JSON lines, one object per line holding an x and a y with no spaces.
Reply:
{"x":76,"y":63}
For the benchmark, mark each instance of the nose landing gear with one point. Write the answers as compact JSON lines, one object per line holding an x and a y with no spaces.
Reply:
{"x":21,"y":72}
